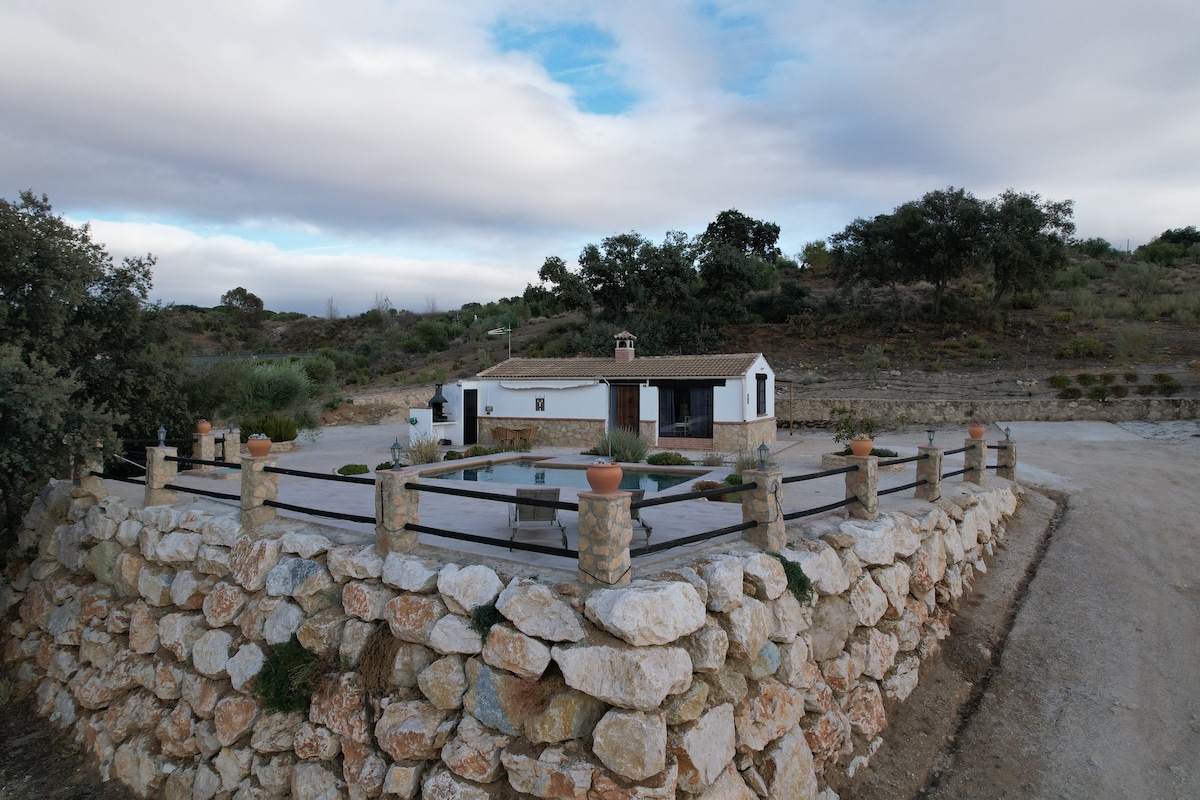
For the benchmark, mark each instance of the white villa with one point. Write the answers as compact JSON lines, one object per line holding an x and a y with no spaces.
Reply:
{"x":722,"y":403}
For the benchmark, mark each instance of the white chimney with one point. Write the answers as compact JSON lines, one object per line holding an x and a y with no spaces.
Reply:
{"x":624,"y":353}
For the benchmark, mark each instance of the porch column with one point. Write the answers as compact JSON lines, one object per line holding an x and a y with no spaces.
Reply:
{"x":605,"y":531}
{"x":764,"y":505}
{"x":863,"y":485}
{"x":206,"y":447}
{"x":395,"y":507}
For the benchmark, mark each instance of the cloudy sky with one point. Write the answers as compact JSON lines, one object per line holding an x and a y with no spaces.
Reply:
{"x":437,"y":152}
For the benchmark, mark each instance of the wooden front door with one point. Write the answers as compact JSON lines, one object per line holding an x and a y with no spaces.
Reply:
{"x":627,"y":407}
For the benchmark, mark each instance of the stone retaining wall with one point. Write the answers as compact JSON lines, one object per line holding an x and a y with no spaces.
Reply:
{"x":141,"y":630}
{"x":960,"y":412}
{"x":550,"y":432}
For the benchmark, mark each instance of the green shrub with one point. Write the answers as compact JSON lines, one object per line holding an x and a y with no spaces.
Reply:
{"x":1070,"y":393}
{"x":353,"y":469}
{"x":1163,"y":378}
{"x":1094,"y":270}
{"x":385,"y":465}
{"x":1064,"y":317}
{"x":1130,"y":376}
{"x":1072,"y":278}
{"x":1167,"y":385}
{"x":798,"y":583}
{"x":276,"y":428}
{"x":1058,"y":381}
{"x":422,"y":451}
{"x":1098,"y":392}
{"x":1132,"y":342}
{"x":288,"y":678}
{"x":451,"y":455}
{"x":476,"y":450}
{"x":1146,"y":389}
{"x":1085,"y":379}
{"x":669,"y":460}
{"x":712,"y":460}
{"x":319,"y":370}
{"x":1107,"y":378}
{"x":744,"y":462}
{"x":622,"y":445}
{"x":872,"y":360}
{"x":1120,"y":390}
{"x":271,"y":388}
{"x":1080,"y":347}
{"x":484,"y":617}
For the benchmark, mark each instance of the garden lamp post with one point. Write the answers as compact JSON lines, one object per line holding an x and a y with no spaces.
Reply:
{"x":162,"y":436}
{"x":764,"y":453}
{"x":397,"y":451}
{"x":930,"y":433}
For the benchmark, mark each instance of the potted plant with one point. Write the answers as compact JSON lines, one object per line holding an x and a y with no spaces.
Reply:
{"x":851,"y":430}
{"x":603,"y":476}
{"x":976,"y":430}
{"x":203,"y":426}
{"x":258,"y":444}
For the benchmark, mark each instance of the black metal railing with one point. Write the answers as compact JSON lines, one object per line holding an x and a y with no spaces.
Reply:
{"x":825,"y":473}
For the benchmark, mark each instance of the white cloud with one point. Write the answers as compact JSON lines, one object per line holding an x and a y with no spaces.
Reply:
{"x":399,"y":129}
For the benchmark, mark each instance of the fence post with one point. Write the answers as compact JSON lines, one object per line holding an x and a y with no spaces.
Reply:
{"x":929,"y":470}
{"x":975,"y":461}
{"x":395,"y":507}
{"x":258,"y":486}
{"x":764,"y":506}
{"x":82,"y":477}
{"x":1006,"y":460}
{"x":863,"y":485}
{"x":160,"y":473}
{"x":206,"y":448}
{"x":605,"y":531}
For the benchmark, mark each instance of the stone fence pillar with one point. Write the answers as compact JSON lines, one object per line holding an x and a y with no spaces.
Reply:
{"x":206,"y":447}
{"x":929,"y":470}
{"x":605,"y":531}
{"x":160,"y":473}
{"x":258,"y":486}
{"x":395,"y":507}
{"x":1006,"y":460}
{"x":863,"y":485}
{"x":975,"y":460}
{"x":764,"y":505}
{"x":82,"y":477}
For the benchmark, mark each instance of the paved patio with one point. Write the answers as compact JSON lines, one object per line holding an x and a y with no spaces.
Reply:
{"x":795,"y":454}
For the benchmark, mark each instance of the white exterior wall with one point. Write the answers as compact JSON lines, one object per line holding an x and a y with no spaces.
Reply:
{"x":648,"y":397}
{"x":750,"y":392}
{"x":564,"y":402}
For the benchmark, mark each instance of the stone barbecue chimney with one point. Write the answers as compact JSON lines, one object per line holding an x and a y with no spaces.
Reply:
{"x":625,"y":341}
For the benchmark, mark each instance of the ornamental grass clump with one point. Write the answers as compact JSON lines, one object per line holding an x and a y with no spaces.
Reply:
{"x":799,"y":584}
{"x":622,"y":445}
{"x":289,"y":677}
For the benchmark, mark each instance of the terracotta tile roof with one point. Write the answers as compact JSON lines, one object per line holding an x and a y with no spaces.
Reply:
{"x":728,"y":365}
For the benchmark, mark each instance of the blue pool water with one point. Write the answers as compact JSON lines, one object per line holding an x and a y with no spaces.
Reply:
{"x":532,"y":473}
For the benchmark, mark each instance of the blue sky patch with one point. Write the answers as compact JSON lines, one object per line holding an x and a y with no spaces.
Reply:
{"x":576,"y":55}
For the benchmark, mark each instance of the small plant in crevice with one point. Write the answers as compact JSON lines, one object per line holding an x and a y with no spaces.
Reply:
{"x":484,"y":617}
{"x":799,"y":584}
{"x":289,"y":677}
{"x":378,"y":660}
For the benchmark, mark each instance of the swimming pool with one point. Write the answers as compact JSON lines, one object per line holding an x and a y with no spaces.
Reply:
{"x":535,"y":473}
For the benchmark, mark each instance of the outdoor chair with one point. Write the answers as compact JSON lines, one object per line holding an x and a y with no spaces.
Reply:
{"x":521,"y":513}
{"x":503,"y":436}
{"x":635,"y":514}
{"x":527,"y":435}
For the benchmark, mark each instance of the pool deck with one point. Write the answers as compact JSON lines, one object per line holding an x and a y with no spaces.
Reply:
{"x":794,"y":454}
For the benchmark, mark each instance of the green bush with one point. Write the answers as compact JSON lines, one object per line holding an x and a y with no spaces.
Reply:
{"x":288,"y":678}
{"x":1120,"y":390}
{"x":1098,"y":392}
{"x":1080,"y":347}
{"x":451,"y":455}
{"x":353,"y":469}
{"x":1085,"y":379}
{"x":476,"y":450}
{"x":1070,"y":393}
{"x":1107,"y":378}
{"x":1132,"y":342}
{"x":319,"y":370}
{"x":422,"y":451}
{"x":798,"y":583}
{"x":271,"y":388}
{"x":1064,"y":317}
{"x":622,"y":445}
{"x":1146,"y":389}
{"x":669,"y":460}
{"x":1058,"y":381}
{"x":385,"y":465}
{"x":1167,"y":385}
{"x":1130,"y":376}
{"x":484,"y":617}
{"x":276,"y":428}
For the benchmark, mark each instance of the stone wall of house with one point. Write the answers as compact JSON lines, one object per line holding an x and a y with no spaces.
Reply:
{"x":742,"y":437}
{"x":141,"y":631}
{"x":582,"y":433}
{"x":960,"y":412}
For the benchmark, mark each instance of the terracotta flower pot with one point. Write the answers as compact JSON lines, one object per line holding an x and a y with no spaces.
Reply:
{"x":203,"y":426}
{"x":604,"y":478}
{"x":258,"y":447}
{"x":862,"y":447}
{"x":976,"y":430}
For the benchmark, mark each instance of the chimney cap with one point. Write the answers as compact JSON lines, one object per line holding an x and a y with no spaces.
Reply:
{"x":625,"y":336}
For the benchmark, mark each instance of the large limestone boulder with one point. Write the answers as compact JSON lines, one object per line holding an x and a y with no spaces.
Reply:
{"x":536,"y":611}
{"x":650,"y":613}
{"x":638,"y":678}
